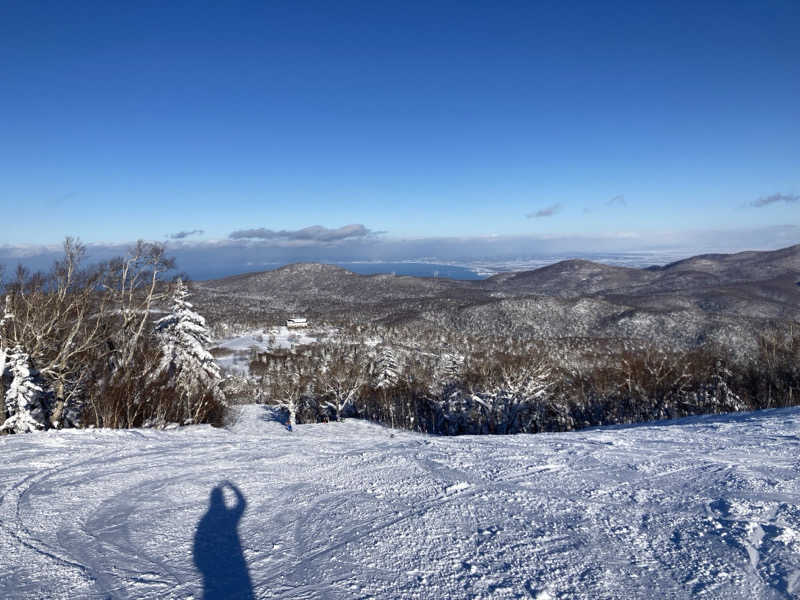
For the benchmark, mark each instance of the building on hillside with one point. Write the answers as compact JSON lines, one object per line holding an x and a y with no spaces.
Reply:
{"x":296,"y":323}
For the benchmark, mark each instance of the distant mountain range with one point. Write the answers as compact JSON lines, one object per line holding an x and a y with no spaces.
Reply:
{"x":726,"y":298}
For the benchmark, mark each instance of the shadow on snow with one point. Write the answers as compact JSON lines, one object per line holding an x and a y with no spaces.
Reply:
{"x":218,"y":551}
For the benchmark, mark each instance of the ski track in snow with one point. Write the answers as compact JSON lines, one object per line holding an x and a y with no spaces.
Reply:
{"x":703,"y":507}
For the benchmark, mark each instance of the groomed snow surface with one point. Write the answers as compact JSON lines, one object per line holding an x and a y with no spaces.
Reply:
{"x":703,"y":507}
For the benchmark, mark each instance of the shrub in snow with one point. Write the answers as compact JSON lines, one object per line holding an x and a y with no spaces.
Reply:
{"x":716,"y":395}
{"x":286,"y":388}
{"x":344,"y":377}
{"x":24,"y":399}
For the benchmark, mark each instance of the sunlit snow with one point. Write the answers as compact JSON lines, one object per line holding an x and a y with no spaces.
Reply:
{"x":706,"y":506}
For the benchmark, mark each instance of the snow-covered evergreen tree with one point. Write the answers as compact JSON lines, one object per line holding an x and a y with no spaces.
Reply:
{"x":385,"y":371}
{"x":184,"y":337}
{"x":724,"y":398}
{"x":24,"y":399}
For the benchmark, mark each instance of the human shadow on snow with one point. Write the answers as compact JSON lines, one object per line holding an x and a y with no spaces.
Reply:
{"x":218,"y":551}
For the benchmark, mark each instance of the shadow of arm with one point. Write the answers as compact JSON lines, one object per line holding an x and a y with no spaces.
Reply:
{"x":241,"y":502}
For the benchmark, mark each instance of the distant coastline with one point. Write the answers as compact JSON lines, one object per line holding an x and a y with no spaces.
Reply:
{"x":466,"y":270}
{"x":415,"y":269}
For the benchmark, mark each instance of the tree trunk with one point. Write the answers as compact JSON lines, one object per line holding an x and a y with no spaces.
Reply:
{"x":58,"y":408}
{"x":3,"y":415}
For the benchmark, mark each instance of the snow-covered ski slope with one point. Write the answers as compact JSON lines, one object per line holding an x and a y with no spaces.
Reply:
{"x":705,"y":507}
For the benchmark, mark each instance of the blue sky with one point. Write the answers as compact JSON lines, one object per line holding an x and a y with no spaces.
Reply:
{"x":612,"y":120}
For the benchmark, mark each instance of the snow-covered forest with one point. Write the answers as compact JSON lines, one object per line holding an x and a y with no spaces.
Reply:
{"x":473,"y":386}
{"x":120,"y":345}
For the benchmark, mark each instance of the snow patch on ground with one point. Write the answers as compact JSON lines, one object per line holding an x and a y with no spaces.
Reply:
{"x":705,"y":507}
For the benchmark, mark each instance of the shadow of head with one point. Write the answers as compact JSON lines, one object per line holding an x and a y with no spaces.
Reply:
{"x":217,"y":548}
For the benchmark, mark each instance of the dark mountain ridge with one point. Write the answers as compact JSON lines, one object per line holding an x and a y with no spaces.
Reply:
{"x":582,"y":277}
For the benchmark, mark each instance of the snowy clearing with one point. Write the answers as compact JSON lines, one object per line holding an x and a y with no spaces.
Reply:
{"x":704,"y":507}
{"x":263,"y":340}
